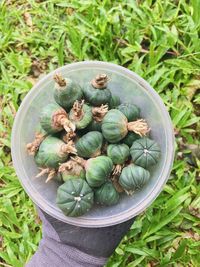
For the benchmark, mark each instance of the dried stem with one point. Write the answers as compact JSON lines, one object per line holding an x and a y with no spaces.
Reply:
{"x":99,"y":112}
{"x":65,"y":166}
{"x":116,"y":184}
{"x":60,"y":119}
{"x":79,"y":160}
{"x":139,"y":127}
{"x":129,"y":192}
{"x":69,"y":148}
{"x":42,"y":172}
{"x":59,"y":80}
{"x":69,"y":136}
{"x":104,"y":148}
{"x":100,"y":81}
{"x":67,"y":125}
{"x":51,"y":173}
{"x":78,"y":109}
{"x":117,"y":169}
{"x":33,"y":147}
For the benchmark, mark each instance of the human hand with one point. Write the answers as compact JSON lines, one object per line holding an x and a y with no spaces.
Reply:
{"x":72,"y":246}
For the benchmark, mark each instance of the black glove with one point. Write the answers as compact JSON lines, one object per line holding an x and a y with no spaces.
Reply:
{"x":72,"y":246}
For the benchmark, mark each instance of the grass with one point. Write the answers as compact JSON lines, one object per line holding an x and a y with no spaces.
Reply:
{"x":157,"y":39}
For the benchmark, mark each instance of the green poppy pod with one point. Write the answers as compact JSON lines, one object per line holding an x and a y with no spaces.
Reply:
{"x":75,"y":197}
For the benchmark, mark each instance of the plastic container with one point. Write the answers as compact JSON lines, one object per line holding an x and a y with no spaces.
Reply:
{"x":130,"y":88}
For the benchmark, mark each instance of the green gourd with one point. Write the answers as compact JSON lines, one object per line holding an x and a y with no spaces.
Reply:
{"x":66,"y":92}
{"x":40,"y":135}
{"x":98,"y":169}
{"x":74,"y":197}
{"x":53,"y":151}
{"x":89,"y":145}
{"x":96,"y":92}
{"x":133,"y":178}
{"x":94,"y":126}
{"x":130,"y":138}
{"x":80,"y":114}
{"x":106,"y":195}
{"x":115,"y":126}
{"x":114,"y":101}
{"x":118,"y":153}
{"x":54,"y":118}
{"x":71,"y":170}
{"x":145,"y":152}
{"x":131,"y":111}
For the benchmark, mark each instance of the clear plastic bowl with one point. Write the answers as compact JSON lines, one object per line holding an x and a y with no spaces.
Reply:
{"x":130,"y":88}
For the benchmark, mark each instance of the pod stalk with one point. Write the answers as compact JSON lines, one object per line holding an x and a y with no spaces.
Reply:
{"x":78,"y":109}
{"x":33,"y":147}
{"x":60,"y":119}
{"x":69,"y":148}
{"x":116,"y":184}
{"x":117,"y":169}
{"x":51,"y":173}
{"x":79,"y":160}
{"x":65,"y":166}
{"x":100,"y":81}
{"x":67,"y":124}
{"x":69,"y":136}
{"x":99,"y":112}
{"x":139,"y":127}
{"x":60,"y":80}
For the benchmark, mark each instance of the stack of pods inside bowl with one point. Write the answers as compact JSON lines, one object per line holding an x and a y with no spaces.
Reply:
{"x":94,"y":145}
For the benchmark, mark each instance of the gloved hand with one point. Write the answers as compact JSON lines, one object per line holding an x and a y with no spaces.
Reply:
{"x":65,"y":245}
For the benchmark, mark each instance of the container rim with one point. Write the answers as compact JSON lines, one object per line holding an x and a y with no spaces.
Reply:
{"x":84,"y":221}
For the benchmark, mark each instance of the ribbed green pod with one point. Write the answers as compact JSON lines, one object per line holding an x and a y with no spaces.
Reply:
{"x":145,"y":152}
{"x":133,"y":177}
{"x":114,"y":126}
{"x":89,"y":145}
{"x":106,"y":195}
{"x":75,"y":197}
{"x":118,"y":153}
{"x":98,"y":170}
